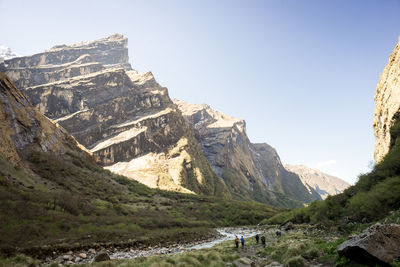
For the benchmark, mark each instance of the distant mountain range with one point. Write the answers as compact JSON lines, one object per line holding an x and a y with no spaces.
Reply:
{"x":319,"y":181}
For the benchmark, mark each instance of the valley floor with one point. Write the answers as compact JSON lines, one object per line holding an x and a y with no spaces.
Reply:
{"x":302,"y":246}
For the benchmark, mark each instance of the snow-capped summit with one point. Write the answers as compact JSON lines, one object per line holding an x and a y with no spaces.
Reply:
{"x":6,"y":53}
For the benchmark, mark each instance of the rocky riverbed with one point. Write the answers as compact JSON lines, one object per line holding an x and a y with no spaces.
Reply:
{"x":87,"y":256}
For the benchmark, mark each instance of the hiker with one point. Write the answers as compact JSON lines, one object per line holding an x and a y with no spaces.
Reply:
{"x":263,"y":241}
{"x":237,"y":241}
{"x":278,"y":233}
{"x":242,"y":240}
{"x":257,"y":238}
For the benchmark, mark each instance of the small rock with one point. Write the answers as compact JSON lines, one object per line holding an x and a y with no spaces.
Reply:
{"x":59,"y":259}
{"x":67,"y":257}
{"x":82,"y":255}
{"x":101,"y":256}
{"x":78,"y":259}
{"x":288,"y":226}
{"x":274,"y":264}
{"x":69,"y":262}
{"x":244,"y":262}
{"x":70,"y":252}
{"x":92,"y":251}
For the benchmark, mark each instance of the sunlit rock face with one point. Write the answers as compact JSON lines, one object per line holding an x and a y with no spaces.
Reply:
{"x":387,"y":104}
{"x":250,"y":170}
{"x":125,"y":118}
{"x":324,"y":184}
{"x":23,"y":127}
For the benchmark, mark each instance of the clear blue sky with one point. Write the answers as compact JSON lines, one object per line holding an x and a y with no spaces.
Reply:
{"x":301,"y":73}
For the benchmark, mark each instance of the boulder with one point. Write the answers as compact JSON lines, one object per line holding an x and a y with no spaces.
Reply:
{"x":288,"y":226}
{"x":82,"y":255}
{"x":244,"y":262}
{"x":378,"y":244}
{"x":101,"y":256}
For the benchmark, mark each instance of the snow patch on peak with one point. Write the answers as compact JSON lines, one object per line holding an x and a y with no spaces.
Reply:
{"x":6,"y":53}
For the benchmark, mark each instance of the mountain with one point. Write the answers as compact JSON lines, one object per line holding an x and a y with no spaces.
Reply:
{"x":130,"y":125}
{"x":6,"y":53}
{"x":125,"y":118}
{"x":24,"y":129}
{"x":376,"y":194}
{"x":321,"y":182}
{"x":252,"y":171}
{"x":54,"y":198}
{"x":387,"y":104}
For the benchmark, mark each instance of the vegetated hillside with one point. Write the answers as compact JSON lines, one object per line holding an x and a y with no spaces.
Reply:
{"x":373,"y":197}
{"x":52,"y":194}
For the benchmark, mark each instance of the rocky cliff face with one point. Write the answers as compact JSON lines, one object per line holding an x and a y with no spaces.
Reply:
{"x":324,"y":184}
{"x":387,"y":104}
{"x":24,"y":128}
{"x":250,"y":170}
{"x":125,"y":118}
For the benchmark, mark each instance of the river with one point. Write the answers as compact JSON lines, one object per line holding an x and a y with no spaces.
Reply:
{"x":224,"y":234}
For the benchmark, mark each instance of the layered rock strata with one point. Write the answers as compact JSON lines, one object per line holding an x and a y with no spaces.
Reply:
{"x":387,"y":104}
{"x":324,"y":184}
{"x":125,"y":118}
{"x":249,"y":170}
{"x":23,"y":127}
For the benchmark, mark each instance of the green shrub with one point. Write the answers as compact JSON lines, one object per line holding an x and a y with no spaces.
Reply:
{"x":310,"y":253}
{"x":297,"y":261}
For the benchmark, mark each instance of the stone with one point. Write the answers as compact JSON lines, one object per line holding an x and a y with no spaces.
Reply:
{"x":78,"y":259}
{"x":244,"y":262}
{"x":387,"y":104}
{"x":83,"y":255}
{"x":101,"y":256}
{"x":288,"y":226}
{"x":378,"y":244}
{"x":92,"y":251}
{"x":274,"y":264}
{"x":67,"y":257}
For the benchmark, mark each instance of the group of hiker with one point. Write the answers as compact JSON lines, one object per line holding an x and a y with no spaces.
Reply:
{"x":278,"y":234}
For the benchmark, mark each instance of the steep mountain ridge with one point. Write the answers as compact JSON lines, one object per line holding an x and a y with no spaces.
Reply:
{"x":25,"y":128}
{"x":321,"y":182}
{"x":119,"y":114}
{"x":387,"y":104}
{"x":250,"y":170}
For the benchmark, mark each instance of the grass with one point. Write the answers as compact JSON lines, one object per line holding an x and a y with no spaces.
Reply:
{"x":66,"y":202}
{"x":297,"y":247}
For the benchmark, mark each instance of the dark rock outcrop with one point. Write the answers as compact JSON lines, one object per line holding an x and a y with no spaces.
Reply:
{"x":378,"y":244}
